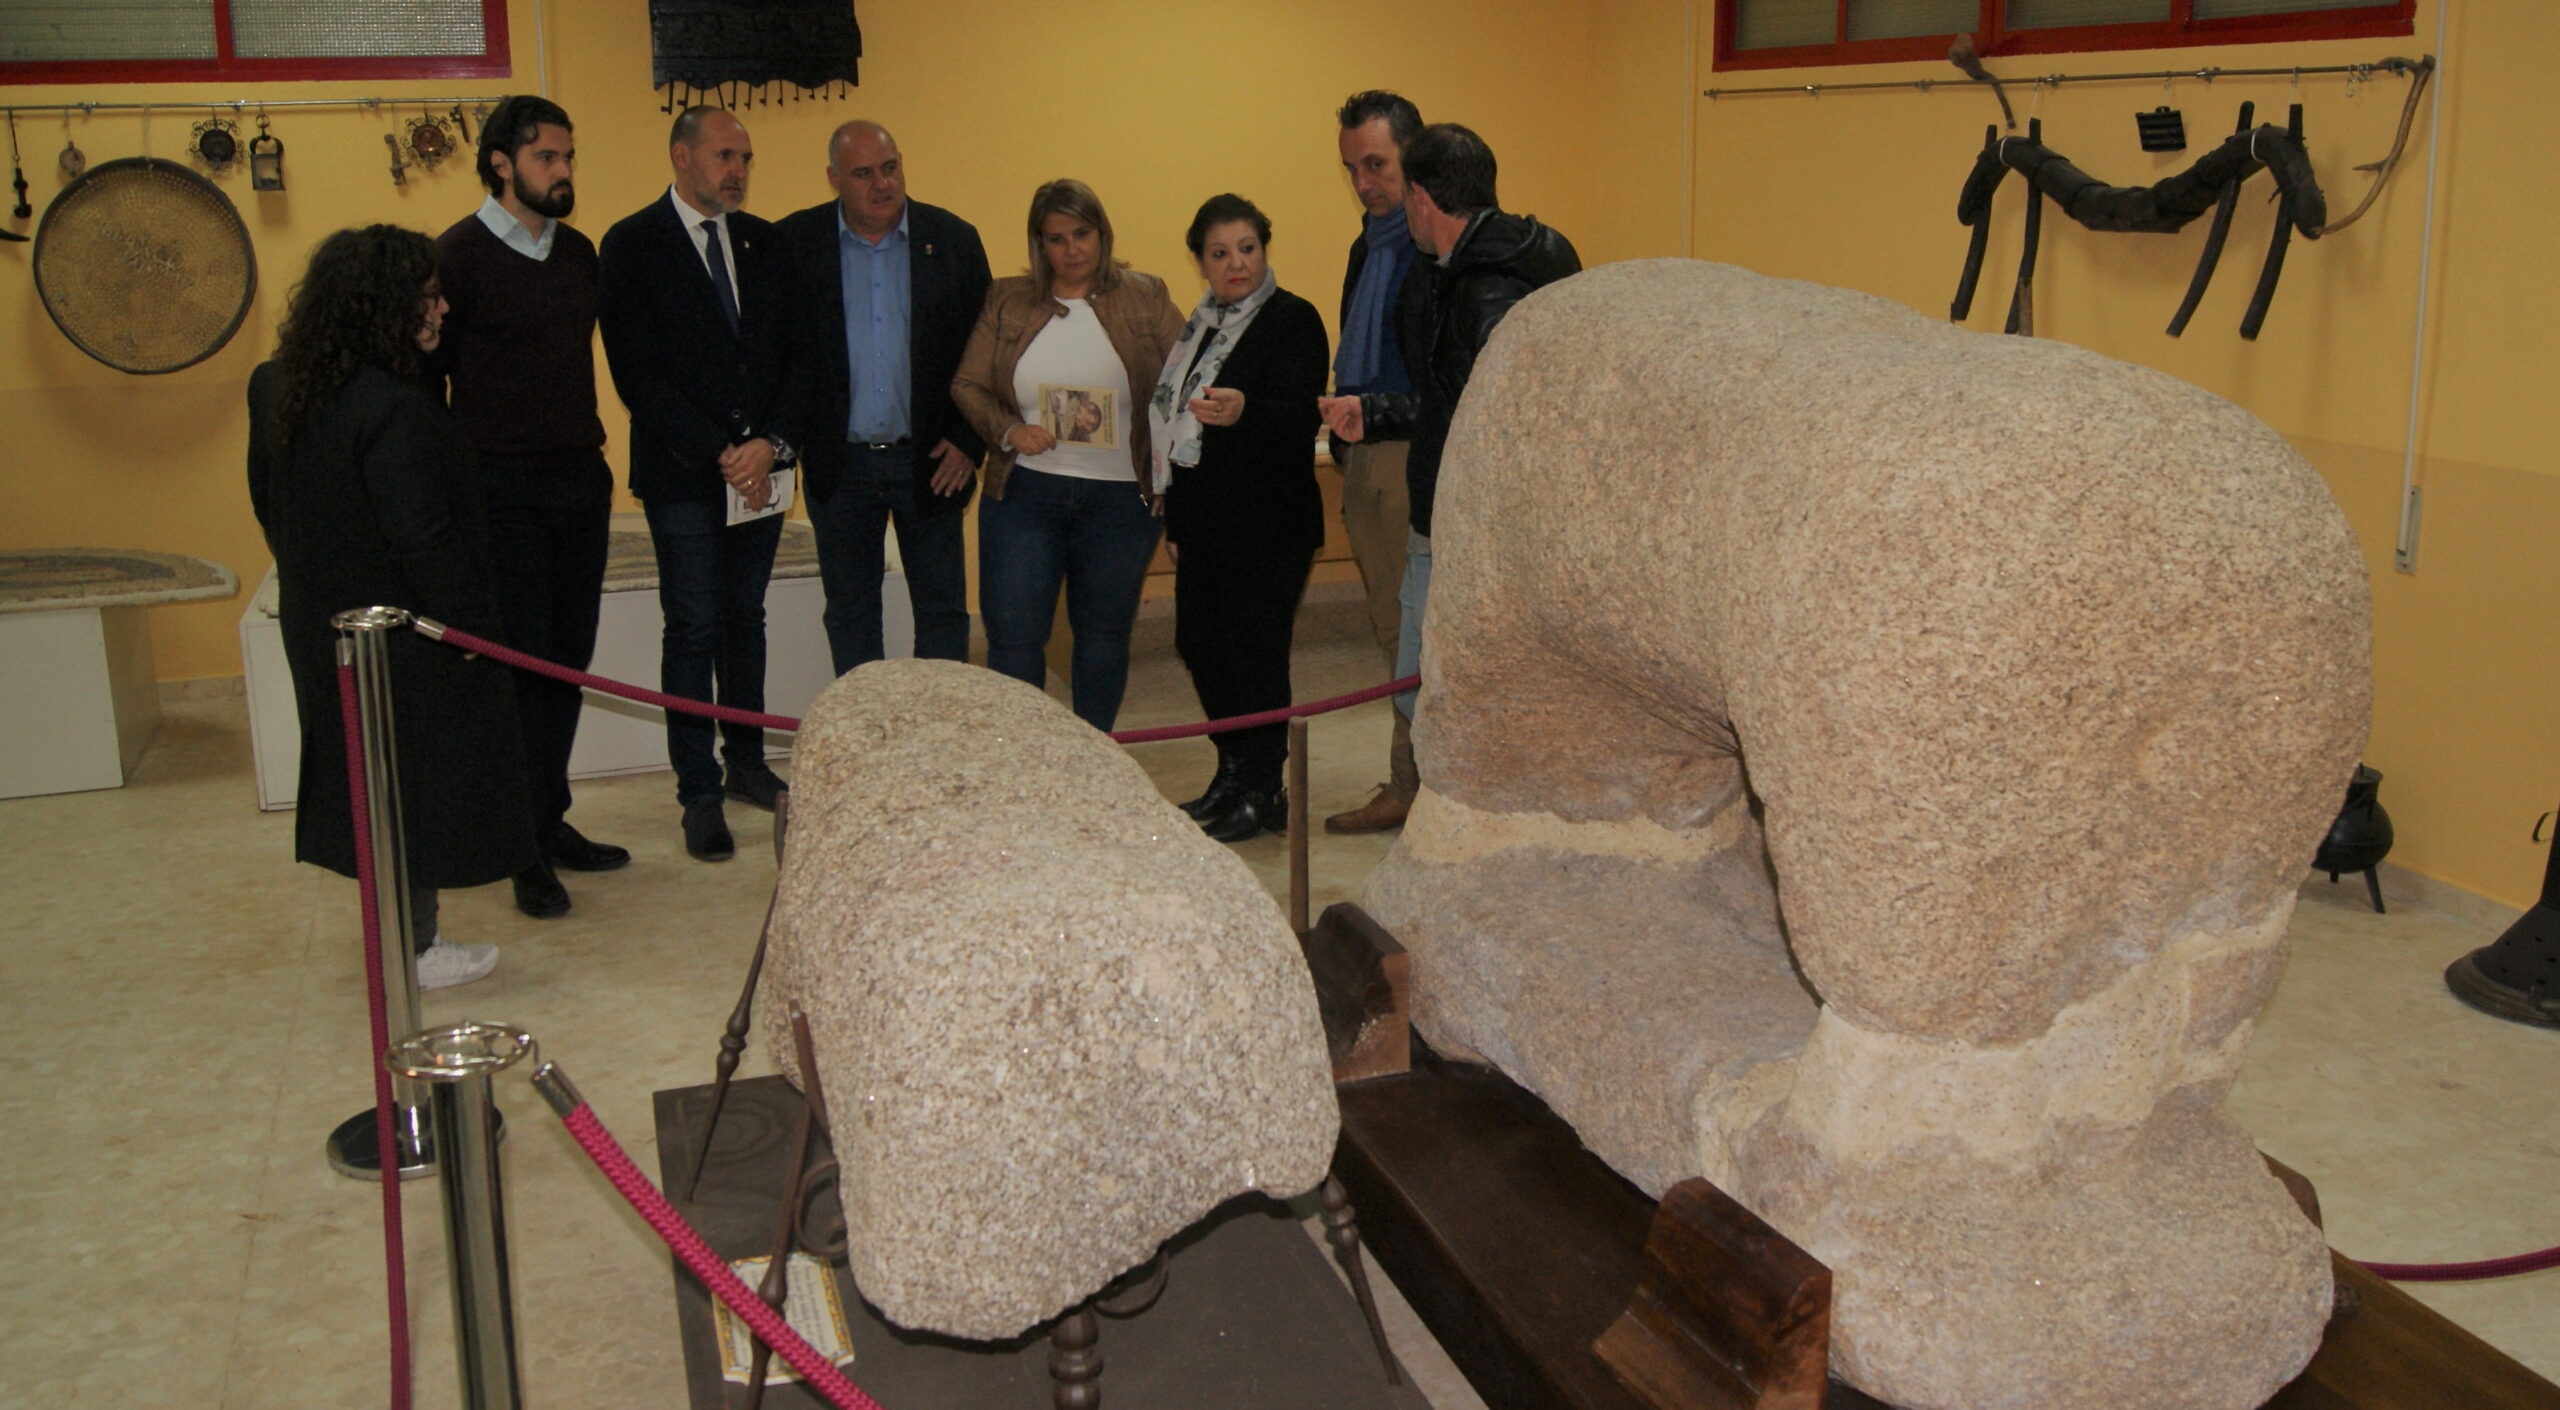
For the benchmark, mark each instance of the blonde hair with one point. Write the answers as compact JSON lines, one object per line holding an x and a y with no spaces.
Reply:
{"x":1070,"y":197}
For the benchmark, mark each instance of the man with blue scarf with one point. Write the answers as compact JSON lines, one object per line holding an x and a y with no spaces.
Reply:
{"x":1375,"y":127}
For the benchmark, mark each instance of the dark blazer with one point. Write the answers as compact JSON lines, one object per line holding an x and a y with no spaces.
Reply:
{"x":947,"y":284}
{"x":1256,"y":480}
{"x":694,"y":385}
{"x":375,"y":502}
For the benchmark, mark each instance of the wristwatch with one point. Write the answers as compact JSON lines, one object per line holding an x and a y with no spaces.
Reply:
{"x":784,"y":453}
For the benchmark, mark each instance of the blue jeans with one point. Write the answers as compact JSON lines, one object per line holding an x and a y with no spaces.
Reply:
{"x":876,"y":491}
{"x":1095,"y":536}
{"x":711,"y":582}
{"x":1412,"y":597}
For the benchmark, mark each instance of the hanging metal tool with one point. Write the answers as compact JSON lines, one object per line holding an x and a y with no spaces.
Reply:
{"x":399,"y":168}
{"x":266,"y":159}
{"x":17,"y":175}
{"x":429,"y":140}
{"x":1961,"y":55}
{"x":216,"y":143}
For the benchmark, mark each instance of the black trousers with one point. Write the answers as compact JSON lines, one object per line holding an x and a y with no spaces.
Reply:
{"x":1235,"y":603}
{"x":549,"y":532}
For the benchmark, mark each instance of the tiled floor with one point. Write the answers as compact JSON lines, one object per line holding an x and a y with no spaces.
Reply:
{"x":181,"y":1021}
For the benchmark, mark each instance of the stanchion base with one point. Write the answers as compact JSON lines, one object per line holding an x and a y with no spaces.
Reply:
{"x":356,"y":1152}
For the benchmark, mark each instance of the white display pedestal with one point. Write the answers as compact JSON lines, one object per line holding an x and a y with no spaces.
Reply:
{"x":78,"y":696}
{"x":614,"y":736}
{"x":78,"y":699}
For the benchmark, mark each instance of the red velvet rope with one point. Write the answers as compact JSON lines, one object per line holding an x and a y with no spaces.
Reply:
{"x":509,"y":656}
{"x":395,"y":1266}
{"x":715,"y":1274}
{"x":1267,"y":717}
{"x":2466,"y":1272}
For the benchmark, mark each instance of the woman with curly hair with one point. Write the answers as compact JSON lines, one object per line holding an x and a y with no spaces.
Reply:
{"x":363,"y":485}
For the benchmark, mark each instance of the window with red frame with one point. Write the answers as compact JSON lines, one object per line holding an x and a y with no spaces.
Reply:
{"x":183,"y":41}
{"x":1791,"y":33}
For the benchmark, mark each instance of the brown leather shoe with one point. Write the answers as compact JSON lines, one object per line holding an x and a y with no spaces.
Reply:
{"x":1383,"y":812}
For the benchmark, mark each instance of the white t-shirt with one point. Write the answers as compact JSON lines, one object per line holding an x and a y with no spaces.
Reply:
{"x":1072,"y":384}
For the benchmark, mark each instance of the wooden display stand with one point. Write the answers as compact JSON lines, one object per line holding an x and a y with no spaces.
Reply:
{"x":1552,"y":1282}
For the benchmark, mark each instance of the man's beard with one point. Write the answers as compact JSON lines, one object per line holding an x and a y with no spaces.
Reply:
{"x":551,"y":205}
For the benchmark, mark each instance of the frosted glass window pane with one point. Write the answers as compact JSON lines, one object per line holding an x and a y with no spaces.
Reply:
{"x":2052,"y":14}
{"x":1900,"y":19}
{"x":311,"y":29}
{"x":1782,"y":24}
{"x":106,"y":29}
{"x":2230,"y":9}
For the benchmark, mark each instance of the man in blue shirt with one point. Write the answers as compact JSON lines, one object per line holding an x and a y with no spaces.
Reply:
{"x":1375,"y":127}
{"x":887,"y":291}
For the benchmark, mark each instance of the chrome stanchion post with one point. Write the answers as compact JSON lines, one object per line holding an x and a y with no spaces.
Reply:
{"x":364,"y":641}
{"x":456,"y":1064}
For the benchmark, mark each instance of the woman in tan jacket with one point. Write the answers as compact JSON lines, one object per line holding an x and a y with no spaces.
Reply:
{"x":1056,"y":378}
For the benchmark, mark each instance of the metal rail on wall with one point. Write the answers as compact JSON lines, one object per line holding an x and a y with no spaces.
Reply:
{"x":2356,"y":72}
{"x":240,"y":105}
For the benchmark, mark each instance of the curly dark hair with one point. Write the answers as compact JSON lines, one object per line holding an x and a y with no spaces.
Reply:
{"x":358,"y":305}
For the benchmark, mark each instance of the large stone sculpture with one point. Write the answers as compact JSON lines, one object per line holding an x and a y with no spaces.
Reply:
{"x":1056,"y":1024}
{"x":1869,"y":764}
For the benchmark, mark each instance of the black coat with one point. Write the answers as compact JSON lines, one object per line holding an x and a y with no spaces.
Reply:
{"x":694,"y":385}
{"x":1256,"y":480}
{"x":947,"y":280}
{"x":375,"y":503}
{"x":1444,"y":317}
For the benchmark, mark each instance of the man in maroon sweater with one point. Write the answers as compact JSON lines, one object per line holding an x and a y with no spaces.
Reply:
{"x":519,"y":356}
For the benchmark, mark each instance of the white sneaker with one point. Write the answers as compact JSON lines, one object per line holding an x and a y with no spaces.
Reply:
{"x":445,"y":965}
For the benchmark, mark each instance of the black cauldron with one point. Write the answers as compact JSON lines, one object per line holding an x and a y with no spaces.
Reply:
{"x":2361,"y":837}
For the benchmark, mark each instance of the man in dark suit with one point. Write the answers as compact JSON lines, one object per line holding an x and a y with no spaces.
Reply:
{"x":689,"y":303}
{"x":885,"y":293}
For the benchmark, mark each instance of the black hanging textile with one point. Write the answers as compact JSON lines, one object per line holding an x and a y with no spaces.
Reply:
{"x":706,"y":43}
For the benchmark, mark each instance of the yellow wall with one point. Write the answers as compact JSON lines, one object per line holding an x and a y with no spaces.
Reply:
{"x":1859,"y":190}
{"x":1157,"y":105}
{"x":1590,"y":106}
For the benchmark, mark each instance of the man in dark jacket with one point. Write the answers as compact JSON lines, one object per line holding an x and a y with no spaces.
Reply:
{"x":886,"y":291}
{"x":1484,"y":260}
{"x":686,"y":299}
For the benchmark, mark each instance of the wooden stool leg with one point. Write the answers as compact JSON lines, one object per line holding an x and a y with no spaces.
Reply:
{"x":1075,"y":1361}
{"x":1342,"y":1230}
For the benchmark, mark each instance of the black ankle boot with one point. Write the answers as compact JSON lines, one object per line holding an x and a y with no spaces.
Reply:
{"x":1221,"y":790}
{"x":1257,"y":806}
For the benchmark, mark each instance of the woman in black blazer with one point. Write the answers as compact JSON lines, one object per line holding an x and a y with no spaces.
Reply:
{"x":1235,"y":443}
{"x":364,"y":487}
